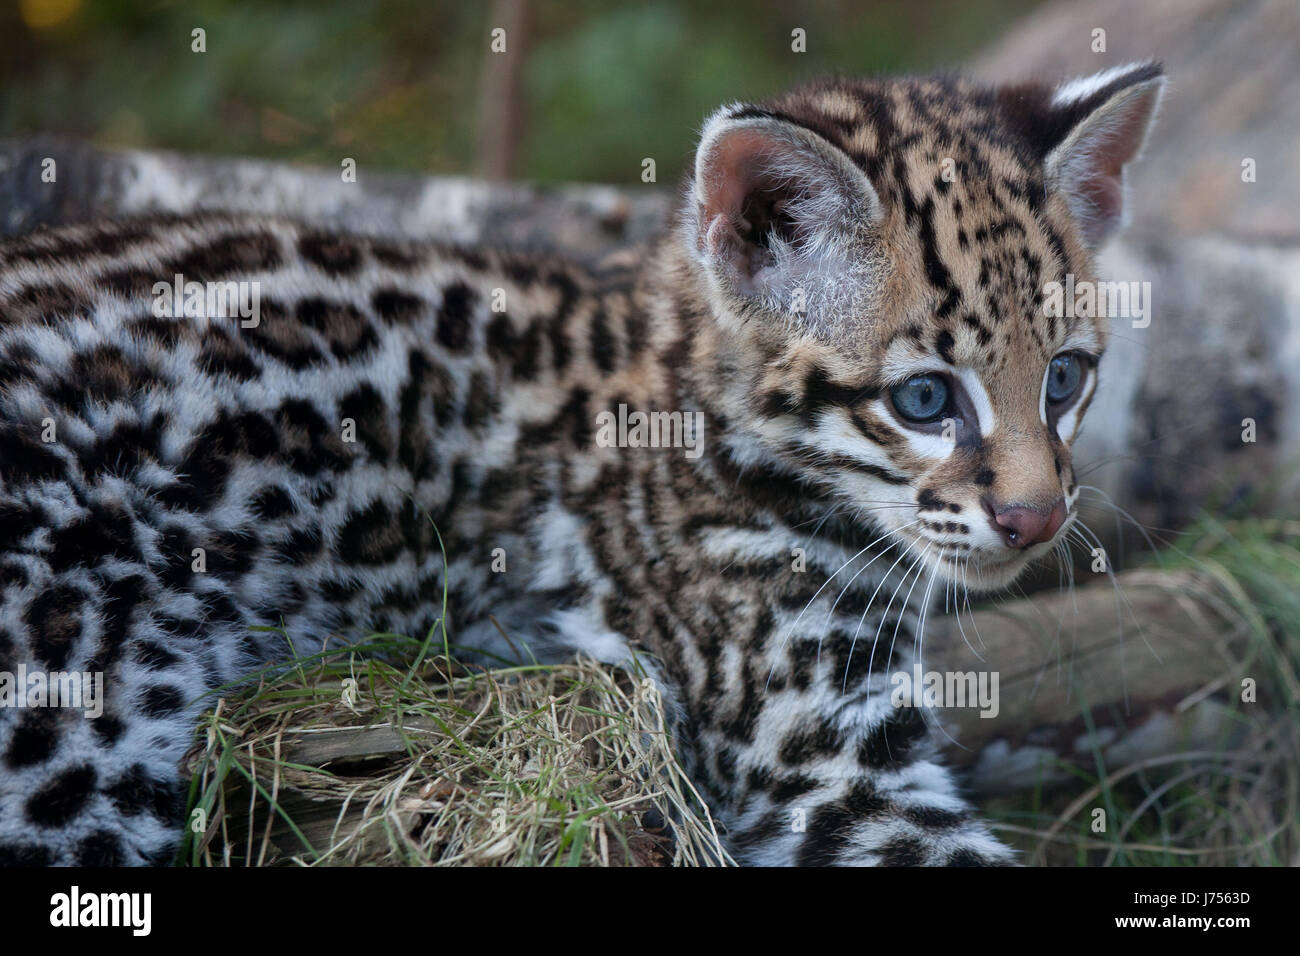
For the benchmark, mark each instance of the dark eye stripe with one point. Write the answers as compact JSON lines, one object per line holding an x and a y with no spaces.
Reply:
{"x":873,"y":430}
{"x":817,"y":394}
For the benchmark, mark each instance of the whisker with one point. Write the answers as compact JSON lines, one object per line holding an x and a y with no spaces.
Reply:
{"x":1107,"y":500}
{"x":1093,"y":466}
{"x":903,"y":610}
{"x":871,"y":661}
{"x":1119,"y":615}
{"x":971,"y":614}
{"x":835,"y":604}
{"x":1120,"y":595}
{"x":956,"y":610}
{"x":920,"y":654}
{"x":867,"y":610}
{"x":839,"y":506}
{"x":785,"y":640}
{"x":925,"y":604}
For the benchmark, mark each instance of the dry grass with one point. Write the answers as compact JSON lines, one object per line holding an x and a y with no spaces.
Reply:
{"x":344,"y":759}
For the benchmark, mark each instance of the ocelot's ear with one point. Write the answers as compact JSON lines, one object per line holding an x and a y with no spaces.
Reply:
{"x":1100,"y":123}
{"x":780,"y":215}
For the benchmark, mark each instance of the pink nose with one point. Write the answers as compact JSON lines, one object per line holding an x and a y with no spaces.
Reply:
{"x":1020,"y":527}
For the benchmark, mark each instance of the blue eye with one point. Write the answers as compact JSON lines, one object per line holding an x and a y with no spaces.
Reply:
{"x":1063,"y":378}
{"x":922,"y":398}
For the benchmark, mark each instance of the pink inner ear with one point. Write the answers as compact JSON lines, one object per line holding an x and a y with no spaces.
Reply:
{"x":722,"y":242}
{"x":735,"y":172}
{"x":1098,"y":164}
{"x":730,"y":173}
{"x":1102,"y":192}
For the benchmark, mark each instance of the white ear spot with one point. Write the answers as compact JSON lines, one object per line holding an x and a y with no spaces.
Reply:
{"x":1082,"y":87}
{"x":1087,"y":167}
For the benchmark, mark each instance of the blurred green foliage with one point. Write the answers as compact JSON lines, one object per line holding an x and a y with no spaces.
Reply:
{"x":395,"y":84}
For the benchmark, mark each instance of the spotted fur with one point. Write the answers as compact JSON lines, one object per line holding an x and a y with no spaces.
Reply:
{"x":176,"y":434}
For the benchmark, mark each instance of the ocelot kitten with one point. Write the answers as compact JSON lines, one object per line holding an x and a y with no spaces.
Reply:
{"x":850,"y":296}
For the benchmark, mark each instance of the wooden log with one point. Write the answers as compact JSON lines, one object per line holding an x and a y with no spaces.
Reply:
{"x":1127,"y":670}
{"x":585,"y":222}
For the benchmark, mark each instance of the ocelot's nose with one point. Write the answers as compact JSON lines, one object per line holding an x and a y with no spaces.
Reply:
{"x":1021,"y":526}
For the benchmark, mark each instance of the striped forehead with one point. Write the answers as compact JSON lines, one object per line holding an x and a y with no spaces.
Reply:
{"x":961,"y":345}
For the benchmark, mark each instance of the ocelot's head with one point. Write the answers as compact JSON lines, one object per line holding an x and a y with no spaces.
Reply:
{"x":880,"y":260}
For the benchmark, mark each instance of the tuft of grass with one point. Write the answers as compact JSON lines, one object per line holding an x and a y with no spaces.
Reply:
{"x":1234,"y":804}
{"x":343,"y":758}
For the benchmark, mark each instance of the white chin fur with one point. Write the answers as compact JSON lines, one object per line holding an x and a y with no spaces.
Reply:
{"x":984,"y":574}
